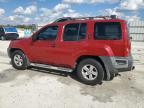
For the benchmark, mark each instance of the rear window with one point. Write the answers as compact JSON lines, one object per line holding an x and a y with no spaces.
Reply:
{"x":107,"y":31}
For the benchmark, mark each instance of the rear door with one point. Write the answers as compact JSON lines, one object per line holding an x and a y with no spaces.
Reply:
{"x":73,"y":41}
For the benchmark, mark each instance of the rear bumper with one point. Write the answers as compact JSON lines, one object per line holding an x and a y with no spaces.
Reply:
{"x":118,"y":64}
{"x":122,"y":64}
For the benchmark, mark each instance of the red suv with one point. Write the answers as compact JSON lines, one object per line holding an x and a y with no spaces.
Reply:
{"x":96,"y":47}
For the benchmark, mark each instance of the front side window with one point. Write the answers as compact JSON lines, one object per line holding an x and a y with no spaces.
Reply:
{"x":74,"y":32}
{"x":49,"y":33}
{"x":107,"y":31}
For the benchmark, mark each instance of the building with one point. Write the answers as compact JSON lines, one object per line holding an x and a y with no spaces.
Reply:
{"x":136,"y":30}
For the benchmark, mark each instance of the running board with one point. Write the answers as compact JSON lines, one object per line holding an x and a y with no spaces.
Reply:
{"x":52,"y":67}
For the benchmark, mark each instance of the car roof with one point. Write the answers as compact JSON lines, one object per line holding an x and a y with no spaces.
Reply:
{"x":85,"y":21}
{"x":66,"y":20}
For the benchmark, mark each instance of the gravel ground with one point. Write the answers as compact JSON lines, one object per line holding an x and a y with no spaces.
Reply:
{"x":41,"y":88}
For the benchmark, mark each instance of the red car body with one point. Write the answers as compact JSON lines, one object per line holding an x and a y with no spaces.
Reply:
{"x":67,"y":53}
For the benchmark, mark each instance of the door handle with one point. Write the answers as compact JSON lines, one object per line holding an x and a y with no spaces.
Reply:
{"x":89,"y":35}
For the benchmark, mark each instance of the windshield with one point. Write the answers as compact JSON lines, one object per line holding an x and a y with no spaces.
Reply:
{"x":10,"y":29}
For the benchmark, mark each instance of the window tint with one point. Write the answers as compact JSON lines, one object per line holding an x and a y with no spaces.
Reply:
{"x":71,"y":32}
{"x":50,"y":33}
{"x":107,"y":30}
{"x":74,"y":32}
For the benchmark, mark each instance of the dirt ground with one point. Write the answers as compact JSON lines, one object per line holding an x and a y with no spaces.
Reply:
{"x":41,"y":88}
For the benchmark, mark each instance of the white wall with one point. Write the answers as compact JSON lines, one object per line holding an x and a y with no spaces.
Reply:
{"x":21,"y":32}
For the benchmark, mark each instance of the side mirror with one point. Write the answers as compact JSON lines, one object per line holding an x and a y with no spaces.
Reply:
{"x":34,"y":37}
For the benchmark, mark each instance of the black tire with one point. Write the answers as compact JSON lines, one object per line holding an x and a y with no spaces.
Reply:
{"x":97,"y":65}
{"x":112,"y":77}
{"x":25,"y":60}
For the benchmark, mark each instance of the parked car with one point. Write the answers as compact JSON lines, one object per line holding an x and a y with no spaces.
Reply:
{"x":95,"y":47}
{"x":8,"y":33}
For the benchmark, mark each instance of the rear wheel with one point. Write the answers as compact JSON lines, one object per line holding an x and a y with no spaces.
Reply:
{"x":19,"y":60}
{"x":111,"y":77}
{"x":90,"y":72}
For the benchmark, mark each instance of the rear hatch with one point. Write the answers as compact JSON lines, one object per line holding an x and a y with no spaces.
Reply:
{"x":114,"y":34}
{"x":122,"y":47}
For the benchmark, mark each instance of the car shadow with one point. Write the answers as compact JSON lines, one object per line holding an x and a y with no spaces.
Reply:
{"x":48,"y":71}
{"x":85,"y":90}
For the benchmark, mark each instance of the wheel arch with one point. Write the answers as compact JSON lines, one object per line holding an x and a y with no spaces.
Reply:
{"x":13,"y":50}
{"x":106,"y":71}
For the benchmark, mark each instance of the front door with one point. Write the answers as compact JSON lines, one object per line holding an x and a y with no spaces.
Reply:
{"x":43,"y":49}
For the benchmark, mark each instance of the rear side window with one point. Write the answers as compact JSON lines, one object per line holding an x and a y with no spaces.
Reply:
{"x":107,"y":31}
{"x":74,"y":32}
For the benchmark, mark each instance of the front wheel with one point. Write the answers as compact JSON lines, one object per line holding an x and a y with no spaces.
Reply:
{"x":19,"y":60}
{"x":90,"y":72}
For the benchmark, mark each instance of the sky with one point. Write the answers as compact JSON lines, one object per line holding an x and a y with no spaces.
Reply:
{"x":45,"y":11}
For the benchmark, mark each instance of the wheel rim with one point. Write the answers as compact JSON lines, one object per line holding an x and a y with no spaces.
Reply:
{"x":89,"y":72}
{"x":18,"y":60}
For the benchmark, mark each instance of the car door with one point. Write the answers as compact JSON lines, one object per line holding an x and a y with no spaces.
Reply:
{"x":73,"y":41}
{"x":43,"y":48}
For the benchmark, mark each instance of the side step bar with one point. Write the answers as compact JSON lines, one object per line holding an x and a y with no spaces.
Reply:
{"x":51,"y":67}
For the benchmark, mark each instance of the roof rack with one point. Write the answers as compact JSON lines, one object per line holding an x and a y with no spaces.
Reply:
{"x":84,"y":18}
